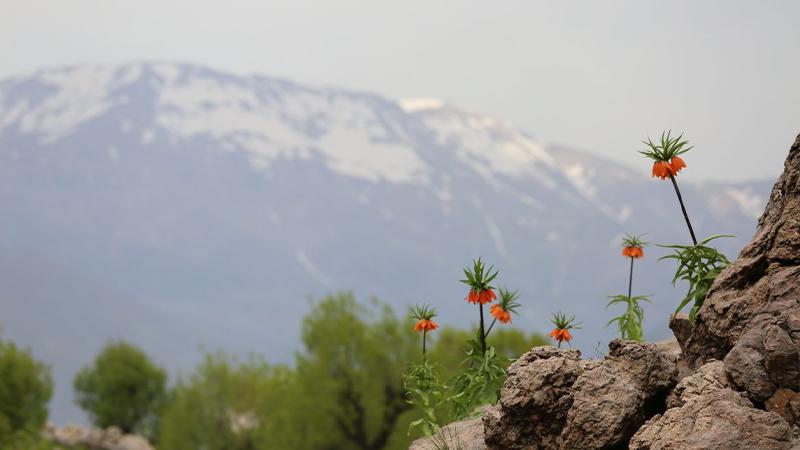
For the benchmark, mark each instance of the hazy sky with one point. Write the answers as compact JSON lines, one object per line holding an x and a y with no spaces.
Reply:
{"x":598,"y":75}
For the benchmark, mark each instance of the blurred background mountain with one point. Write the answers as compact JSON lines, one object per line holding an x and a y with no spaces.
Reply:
{"x":182,"y":207}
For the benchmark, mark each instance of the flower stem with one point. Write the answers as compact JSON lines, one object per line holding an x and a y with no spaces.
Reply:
{"x":490,"y":327}
{"x":683,"y":208}
{"x":630,"y":281}
{"x":424,"y":336}
{"x":483,"y":335}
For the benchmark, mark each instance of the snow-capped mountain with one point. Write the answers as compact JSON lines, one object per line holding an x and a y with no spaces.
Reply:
{"x":178,"y":206}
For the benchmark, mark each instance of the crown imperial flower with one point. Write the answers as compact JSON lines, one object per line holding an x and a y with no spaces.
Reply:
{"x":665,"y":155}
{"x":633,"y":246}
{"x":479,"y":280}
{"x":563,"y":324}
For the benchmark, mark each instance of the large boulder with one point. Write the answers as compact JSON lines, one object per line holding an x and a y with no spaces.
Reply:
{"x":720,"y":420}
{"x":534,"y":400}
{"x":552,"y":399}
{"x":615,"y":398}
{"x":766,"y":272}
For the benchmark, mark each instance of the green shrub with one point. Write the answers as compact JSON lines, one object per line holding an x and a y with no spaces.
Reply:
{"x":25,"y":389}
{"x":122,"y":388}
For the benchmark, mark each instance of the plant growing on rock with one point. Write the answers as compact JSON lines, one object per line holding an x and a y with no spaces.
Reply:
{"x":629,"y":323}
{"x":422,"y":383}
{"x":698,"y":264}
{"x":484,"y":369}
{"x":481,"y":292}
{"x":563,"y":323}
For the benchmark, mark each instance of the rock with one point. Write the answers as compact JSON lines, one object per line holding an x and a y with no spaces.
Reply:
{"x":767,"y":356}
{"x":720,"y":420}
{"x":464,"y":435}
{"x":786,"y":403}
{"x":552,"y":400}
{"x":614,"y":399}
{"x":681,"y":328}
{"x":97,"y":439}
{"x":130,"y":442}
{"x":70,"y":435}
{"x":534,"y":400}
{"x":709,"y":378}
{"x":765,"y":273}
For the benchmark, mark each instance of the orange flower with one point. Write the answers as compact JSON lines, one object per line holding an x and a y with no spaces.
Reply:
{"x":677,"y":164}
{"x":633,"y":252}
{"x":483,"y":297}
{"x":561,"y":335}
{"x":663,"y":169}
{"x":426,"y":325}
{"x":501,"y":314}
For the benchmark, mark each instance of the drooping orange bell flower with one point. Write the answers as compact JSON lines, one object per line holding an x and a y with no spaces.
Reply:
{"x":425,"y":325}
{"x":677,"y":164}
{"x":633,"y":246}
{"x":483,"y":297}
{"x":561,"y":335}
{"x":563,"y":324}
{"x":501,"y":314}
{"x":633,"y":252}
{"x":663,"y":170}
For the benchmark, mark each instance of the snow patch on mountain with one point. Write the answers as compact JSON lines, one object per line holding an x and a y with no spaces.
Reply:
{"x":749,"y":203}
{"x":412,"y":105}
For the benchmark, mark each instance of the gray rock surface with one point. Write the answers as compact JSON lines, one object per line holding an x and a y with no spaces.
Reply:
{"x":610,"y":401}
{"x":554,"y":400}
{"x":707,"y":379}
{"x":720,"y":420}
{"x":464,"y":435}
{"x":534,"y":400}
{"x":765,"y":273}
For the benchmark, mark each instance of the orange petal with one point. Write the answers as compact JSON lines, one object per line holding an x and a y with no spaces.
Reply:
{"x":677,"y":164}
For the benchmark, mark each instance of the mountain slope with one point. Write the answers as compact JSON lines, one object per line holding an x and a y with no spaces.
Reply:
{"x":217,"y":204}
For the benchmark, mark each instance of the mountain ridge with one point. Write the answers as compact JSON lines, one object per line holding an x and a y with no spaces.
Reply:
{"x":218,"y":203}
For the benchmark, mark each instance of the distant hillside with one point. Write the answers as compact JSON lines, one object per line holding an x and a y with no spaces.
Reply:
{"x":178,"y":206}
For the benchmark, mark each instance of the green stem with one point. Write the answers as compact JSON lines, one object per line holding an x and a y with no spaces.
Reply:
{"x":683,"y":208}
{"x":630,"y":281}
{"x":424,"y":338}
{"x":483,"y":336}
{"x":490,"y":327}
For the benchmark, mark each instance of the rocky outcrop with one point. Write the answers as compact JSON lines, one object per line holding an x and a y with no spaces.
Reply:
{"x":766,"y":273}
{"x":720,"y":420}
{"x":615,"y":398}
{"x":733,"y":383}
{"x":534,"y":400}
{"x":554,"y":400}
{"x":72,"y":436}
{"x":707,"y":379}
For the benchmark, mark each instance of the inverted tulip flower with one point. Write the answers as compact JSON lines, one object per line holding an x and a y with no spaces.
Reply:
{"x":481,"y":291}
{"x":630,"y":322}
{"x":667,"y":163}
{"x":502,"y":310}
{"x":424,"y":315}
{"x":563,"y":324}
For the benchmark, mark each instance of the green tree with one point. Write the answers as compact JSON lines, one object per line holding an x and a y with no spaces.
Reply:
{"x":122,"y":388}
{"x":351,"y":371}
{"x":25,"y":389}
{"x":228,"y":405}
